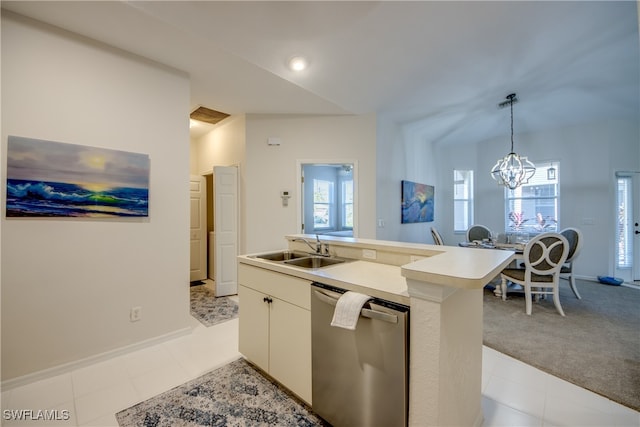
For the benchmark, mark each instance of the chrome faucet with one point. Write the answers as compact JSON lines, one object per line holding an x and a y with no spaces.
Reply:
{"x":320,"y":246}
{"x":318,"y":249}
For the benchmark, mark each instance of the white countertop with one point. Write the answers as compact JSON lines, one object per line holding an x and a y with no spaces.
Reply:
{"x":465,"y":268}
{"x":450,"y":266}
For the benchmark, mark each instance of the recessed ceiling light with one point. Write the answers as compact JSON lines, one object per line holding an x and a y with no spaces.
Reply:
{"x":298,"y":63}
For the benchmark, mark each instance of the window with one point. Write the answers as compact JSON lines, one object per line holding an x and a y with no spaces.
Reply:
{"x":322,"y":203}
{"x":347,"y":204}
{"x":462,"y":199}
{"x":624,"y":234}
{"x":533,"y":208}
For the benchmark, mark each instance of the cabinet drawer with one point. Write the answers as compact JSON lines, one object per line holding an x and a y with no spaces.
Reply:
{"x":287,"y":288}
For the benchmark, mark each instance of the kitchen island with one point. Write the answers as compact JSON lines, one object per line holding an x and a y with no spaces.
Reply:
{"x":442,"y":285}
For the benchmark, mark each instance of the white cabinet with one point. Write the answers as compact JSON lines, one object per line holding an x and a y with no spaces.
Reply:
{"x":275,"y":326}
{"x":254,"y":327}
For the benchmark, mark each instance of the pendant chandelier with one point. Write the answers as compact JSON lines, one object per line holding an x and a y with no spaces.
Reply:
{"x":512,"y":170}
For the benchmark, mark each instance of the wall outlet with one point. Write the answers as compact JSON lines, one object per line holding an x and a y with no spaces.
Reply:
{"x":135,"y":314}
{"x":369,"y":253}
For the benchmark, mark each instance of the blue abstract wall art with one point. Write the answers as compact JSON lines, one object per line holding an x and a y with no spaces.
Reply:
{"x":417,"y":202}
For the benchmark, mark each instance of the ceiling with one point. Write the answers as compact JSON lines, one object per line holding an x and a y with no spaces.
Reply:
{"x":439,"y":69}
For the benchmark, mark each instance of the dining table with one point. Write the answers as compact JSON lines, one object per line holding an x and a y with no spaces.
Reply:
{"x":516,"y":248}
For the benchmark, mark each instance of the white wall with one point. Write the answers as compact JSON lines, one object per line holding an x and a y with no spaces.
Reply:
{"x":404,"y":155}
{"x":68,"y":285}
{"x":589,"y":155}
{"x":272,"y":169}
{"x":223,"y":146}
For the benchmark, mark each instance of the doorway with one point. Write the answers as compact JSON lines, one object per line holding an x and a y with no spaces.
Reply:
{"x":328,"y":198}
{"x":197,"y":232}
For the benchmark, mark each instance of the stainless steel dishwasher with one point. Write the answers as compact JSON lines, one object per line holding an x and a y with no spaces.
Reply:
{"x":359,"y":377}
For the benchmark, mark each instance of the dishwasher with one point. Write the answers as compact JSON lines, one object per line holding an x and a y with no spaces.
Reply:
{"x":360,"y":377}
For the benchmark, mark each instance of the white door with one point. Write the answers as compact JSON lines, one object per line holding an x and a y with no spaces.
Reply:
{"x":225,"y":221}
{"x":198,"y":228}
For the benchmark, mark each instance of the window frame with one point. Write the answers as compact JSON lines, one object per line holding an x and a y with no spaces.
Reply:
{"x":330,"y":204}
{"x":467,"y":202}
{"x":344,"y":183}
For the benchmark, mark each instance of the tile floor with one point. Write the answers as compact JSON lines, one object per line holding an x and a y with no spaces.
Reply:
{"x":514,"y":394}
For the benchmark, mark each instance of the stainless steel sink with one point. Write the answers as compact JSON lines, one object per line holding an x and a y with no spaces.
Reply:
{"x":300,"y":259}
{"x":314,"y":262}
{"x":282,"y":255}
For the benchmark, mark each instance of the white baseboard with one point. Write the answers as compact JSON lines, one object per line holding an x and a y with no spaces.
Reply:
{"x":71,"y":366}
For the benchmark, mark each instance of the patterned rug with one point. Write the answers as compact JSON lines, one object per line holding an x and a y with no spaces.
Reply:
{"x":236,"y":394}
{"x":209,"y":309}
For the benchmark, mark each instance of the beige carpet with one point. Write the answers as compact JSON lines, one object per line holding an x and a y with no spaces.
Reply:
{"x":596,"y":346}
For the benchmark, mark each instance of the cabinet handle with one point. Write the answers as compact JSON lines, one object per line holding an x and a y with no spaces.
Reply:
{"x":267,"y":300}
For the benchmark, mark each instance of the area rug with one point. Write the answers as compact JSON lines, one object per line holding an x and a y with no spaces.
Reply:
{"x":209,"y":309}
{"x":236,"y":394}
{"x":596,"y":346}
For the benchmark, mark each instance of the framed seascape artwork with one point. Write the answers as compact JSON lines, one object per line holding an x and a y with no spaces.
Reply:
{"x":417,"y":202}
{"x":54,"y":179}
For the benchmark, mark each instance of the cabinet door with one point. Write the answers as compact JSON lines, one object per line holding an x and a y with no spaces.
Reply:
{"x":290,"y":349}
{"x":254,"y":327}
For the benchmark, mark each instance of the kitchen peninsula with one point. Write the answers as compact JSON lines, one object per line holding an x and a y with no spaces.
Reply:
{"x":441,"y":284}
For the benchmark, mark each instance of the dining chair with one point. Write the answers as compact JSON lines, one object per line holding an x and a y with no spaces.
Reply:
{"x":544,"y":256}
{"x":478,"y":232}
{"x":437,"y":238}
{"x":574,"y":237}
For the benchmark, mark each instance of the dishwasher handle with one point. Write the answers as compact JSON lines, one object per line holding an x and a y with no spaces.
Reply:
{"x":365,"y":312}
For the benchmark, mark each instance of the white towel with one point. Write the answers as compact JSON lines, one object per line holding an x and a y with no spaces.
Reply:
{"x":347,"y":310}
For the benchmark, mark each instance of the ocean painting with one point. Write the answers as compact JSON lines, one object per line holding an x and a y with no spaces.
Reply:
{"x":417,"y":202}
{"x":54,"y":179}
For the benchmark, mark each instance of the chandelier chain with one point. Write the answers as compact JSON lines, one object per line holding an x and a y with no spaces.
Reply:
{"x":511,"y":102}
